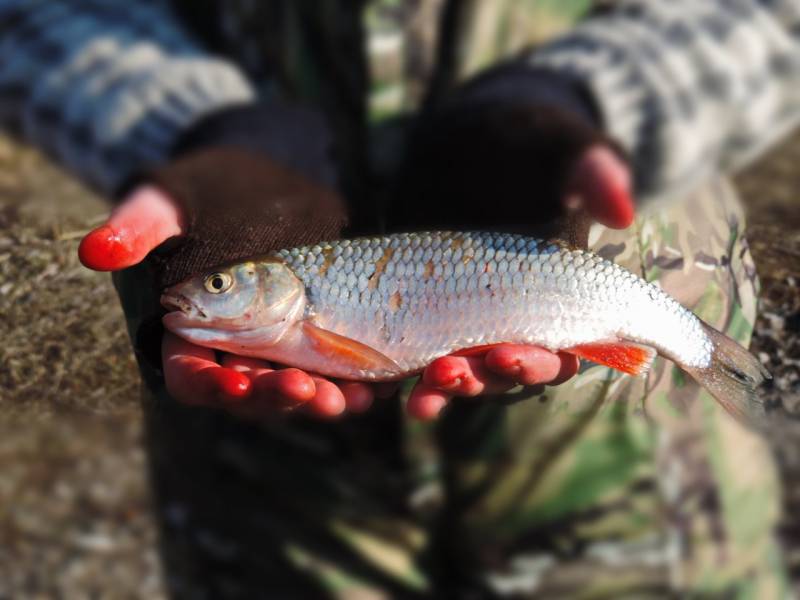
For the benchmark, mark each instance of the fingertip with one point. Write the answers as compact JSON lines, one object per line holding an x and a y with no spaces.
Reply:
{"x":504,"y":360}
{"x":568,"y":369}
{"x":358,"y":396}
{"x":527,"y":365}
{"x":603,"y":180}
{"x":103,"y":249}
{"x":444,"y":373}
{"x":227,"y":385}
{"x":426,"y":403}
{"x":328,"y":401}
{"x":294,"y":385}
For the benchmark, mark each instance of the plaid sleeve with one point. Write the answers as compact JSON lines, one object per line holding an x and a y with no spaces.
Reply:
{"x":104,"y":86}
{"x":687,"y":86}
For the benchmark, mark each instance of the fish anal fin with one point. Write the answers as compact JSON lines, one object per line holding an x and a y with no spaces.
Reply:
{"x":628,"y":357}
{"x":347,"y":351}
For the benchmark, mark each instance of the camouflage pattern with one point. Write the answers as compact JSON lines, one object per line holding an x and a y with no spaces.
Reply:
{"x":611,"y":486}
{"x":605,"y":487}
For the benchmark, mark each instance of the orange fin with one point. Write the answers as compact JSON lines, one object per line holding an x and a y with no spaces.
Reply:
{"x":348,"y":351}
{"x":628,"y":357}
{"x":475,"y":350}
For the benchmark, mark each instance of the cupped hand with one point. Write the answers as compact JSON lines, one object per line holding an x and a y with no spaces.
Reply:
{"x":143,"y":221}
{"x":492,"y":372}
{"x":254,"y":388}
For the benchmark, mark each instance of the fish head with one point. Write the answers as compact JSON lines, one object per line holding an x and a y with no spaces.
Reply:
{"x":238,"y":308}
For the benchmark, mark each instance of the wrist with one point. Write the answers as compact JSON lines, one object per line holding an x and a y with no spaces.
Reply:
{"x":519,"y":84}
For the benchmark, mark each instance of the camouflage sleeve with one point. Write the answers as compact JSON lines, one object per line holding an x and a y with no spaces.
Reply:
{"x":105,"y":88}
{"x":687,"y":87}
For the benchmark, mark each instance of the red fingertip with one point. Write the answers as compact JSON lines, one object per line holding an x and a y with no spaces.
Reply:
{"x":105,"y":250}
{"x":504,"y":361}
{"x":603,"y":180}
{"x":426,"y":403}
{"x":444,"y":373}
{"x":569,"y":368}
{"x":228,"y":385}
{"x":527,"y":365}
{"x":358,"y":396}
{"x":615,"y":210}
{"x":292,"y":385}
{"x":328,"y":402}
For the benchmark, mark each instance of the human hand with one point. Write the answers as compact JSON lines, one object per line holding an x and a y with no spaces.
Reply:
{"x":512,"y":150}
{"x":193,"y":375}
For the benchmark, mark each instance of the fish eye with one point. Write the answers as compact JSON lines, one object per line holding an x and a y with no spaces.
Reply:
{"x":217,"y":283}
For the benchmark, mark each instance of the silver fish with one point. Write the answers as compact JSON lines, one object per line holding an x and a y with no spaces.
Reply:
{"x":383,"y":308}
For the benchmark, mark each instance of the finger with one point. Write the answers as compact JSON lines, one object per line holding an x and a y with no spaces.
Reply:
{"x":143,"y":221}
{"x":602,"y":180}
{"x":192,"y":375}
{"x":285,"y":388}
{"x":328,"y":400}
{"x":569,"y":368}
{"x":425,"y":402}
{"x":527,"y":365}
{"x":464,"y":376}
{"x":273,"y":389}
{"x":358,"y":397}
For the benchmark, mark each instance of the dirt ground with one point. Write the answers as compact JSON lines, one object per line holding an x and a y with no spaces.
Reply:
{"x":74,"y":519}
{"x":74,"y":514}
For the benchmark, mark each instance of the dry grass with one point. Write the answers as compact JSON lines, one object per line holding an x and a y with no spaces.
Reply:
{"x":74,"y":507}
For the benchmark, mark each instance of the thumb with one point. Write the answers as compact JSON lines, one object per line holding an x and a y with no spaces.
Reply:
{"x":145,"y":219}
{"x":602,"y":180}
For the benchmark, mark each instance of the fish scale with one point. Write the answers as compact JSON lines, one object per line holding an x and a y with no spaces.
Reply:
{"x":384,"y":308}
{"x":415,"y":297}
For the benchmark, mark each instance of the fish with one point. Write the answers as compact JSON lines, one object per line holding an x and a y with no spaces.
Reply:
{"x":383,"y":308}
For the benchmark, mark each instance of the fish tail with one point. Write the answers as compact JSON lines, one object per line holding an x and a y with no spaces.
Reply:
{"x":732,"y":378}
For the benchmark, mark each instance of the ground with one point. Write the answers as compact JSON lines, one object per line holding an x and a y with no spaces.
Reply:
{"x":74,"y":518}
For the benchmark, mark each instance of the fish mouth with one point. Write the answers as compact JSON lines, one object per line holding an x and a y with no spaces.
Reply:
{"x":182,"y":304}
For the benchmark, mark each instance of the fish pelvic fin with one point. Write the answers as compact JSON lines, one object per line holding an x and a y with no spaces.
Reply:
{"x":347,"y":351}
{"x":732,"y":378}
{"x":628,"y":357}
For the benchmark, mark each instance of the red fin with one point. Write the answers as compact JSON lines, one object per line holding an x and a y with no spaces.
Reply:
{"x":627,"y":357}
{"x":475,"y":350}
{"x":348,"y":351}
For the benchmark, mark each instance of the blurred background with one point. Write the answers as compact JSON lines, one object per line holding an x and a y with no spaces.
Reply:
{"x":74,"y":514}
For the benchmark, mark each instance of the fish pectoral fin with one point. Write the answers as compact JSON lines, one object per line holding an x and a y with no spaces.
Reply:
{"x":628,"y":357}
{"x":347,"y":351}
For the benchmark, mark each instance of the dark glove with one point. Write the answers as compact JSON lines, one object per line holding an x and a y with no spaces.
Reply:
{"x":248,"y":181}
{"x":500,"y":153}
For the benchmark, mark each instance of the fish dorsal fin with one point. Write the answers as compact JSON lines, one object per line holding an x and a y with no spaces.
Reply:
{"x":348,"y":351}
{"x":628,"y":357}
